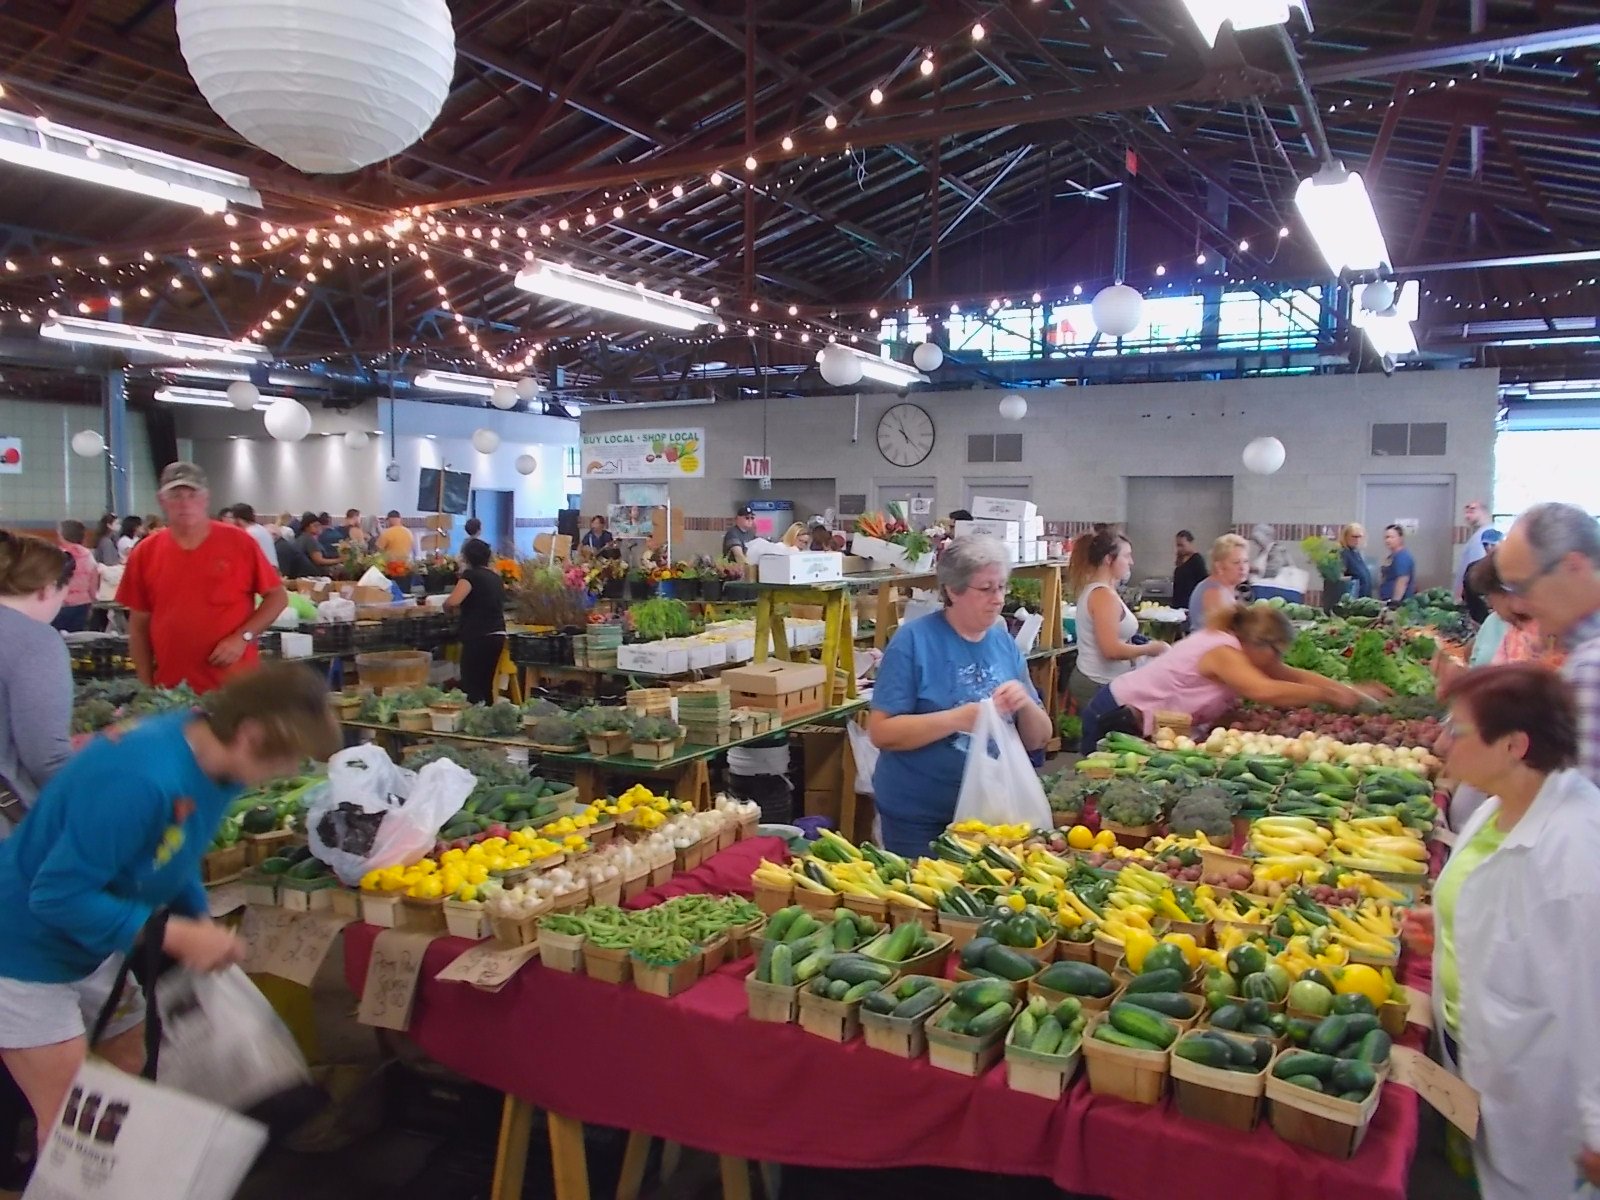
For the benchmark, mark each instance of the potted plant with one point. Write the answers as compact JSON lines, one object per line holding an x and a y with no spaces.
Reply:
{"x":639,"y":584}
{"x":710,"y":581}
{"x":555,"y":731}
{"x":661,"y":618}
{"x":608,"y":728}
{"x":1130,"y":811}
{"x":546,"y":597}
{"x":686,"y":581}
{"x":655,"y":737}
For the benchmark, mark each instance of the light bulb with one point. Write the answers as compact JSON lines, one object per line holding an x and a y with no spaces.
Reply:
{"x":875,"y":96}
{"x":1200,"y":259}
{"x":794,"y":310}
{"x":749,"y":162}
{"x":978,"y":32}
{"x":830,"y":121}
{"x":927,"y":66}
{"x":616,"y":212}
{"x":1244,"y":244}
{"x":1283,"y":232}
{"x":716,"y":179}
{"x":677,"y":191}
{"x":1161,"y":270}
{"x":788,"y":142}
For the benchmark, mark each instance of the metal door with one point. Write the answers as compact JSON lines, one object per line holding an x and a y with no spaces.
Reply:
{"x":1426,"y":506}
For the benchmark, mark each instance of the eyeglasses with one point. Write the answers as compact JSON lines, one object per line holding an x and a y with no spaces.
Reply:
{"x":1455,"y":728}
{"x":1523,"y":587}
{"x":991,"y":590}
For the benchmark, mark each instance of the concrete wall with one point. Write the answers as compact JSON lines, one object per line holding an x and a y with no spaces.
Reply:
{"x":1080,"y":444}
{"x":322,"y":473}
{"x":55,"y":483}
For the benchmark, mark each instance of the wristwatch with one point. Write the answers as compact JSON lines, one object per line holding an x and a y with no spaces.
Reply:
{"x":248,"y":635}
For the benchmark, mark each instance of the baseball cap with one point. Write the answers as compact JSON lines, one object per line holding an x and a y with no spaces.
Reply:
{"x":744,"y":510}
{"x":182,"y":474}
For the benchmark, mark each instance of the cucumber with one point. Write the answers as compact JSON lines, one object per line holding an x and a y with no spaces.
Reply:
{"x":858,"y":991}
{"x":1025,"y":1029}
{"x":953,"y":1020}
{"x":1247,"y":1055}
{"x":1208,"y":1052}
{"x":274,"y":866}
{"x":1163,"y":980}
{"x":919,"y":1004}
{"x":811,"y":965}
{"x":781,"y":968}
{"x":778,"y":926}
{"x":1357,"y":1026}
{"x":844,"y":929}
{"x":1143,"y":1024}
{"x":1255,"y":1029}
{"x":910,"y":987}
{"x":1108,"y":1033}
{"x":1077,"y":979}
{"x":803,"y":924}
{"x":1069,"y":1012}
{"x":882,"y":1003}
{"x":1171,"y":1004}
{"x":990,"y":1020}
{"x":837,"y":988}
{"x":972,"y":953}
{"x":1354,"y":1097}
{"x":1006,"y":962}
{"x":1047,"y":1036}
{"x":854,"y":968}
{"x":1329,"y":1035}
{"x":900,"y":943}
{"x":1300,"y":1030}
{"x":1349,"y":1003}
{"x":1310,"y":1082}
{"x":1352,"y":1077}
{"x":1374,"y":1047}
{"x":1304,"y":1062}
{"x":820,"y":986}
{"x":976,"y":995}
{"x":1229,"y":1017}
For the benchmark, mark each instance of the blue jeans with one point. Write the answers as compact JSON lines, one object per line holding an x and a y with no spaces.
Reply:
{"x":1104,"y":715}
{"x":72,"y":618}
{"x":909,"y":836}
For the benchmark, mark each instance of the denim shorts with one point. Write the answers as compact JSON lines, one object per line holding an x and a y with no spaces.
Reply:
{"x":42,"y":1014}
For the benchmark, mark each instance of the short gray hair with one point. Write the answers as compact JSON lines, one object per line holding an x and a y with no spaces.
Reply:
{"x":964,"y":557}
{"x":1557,"y":530}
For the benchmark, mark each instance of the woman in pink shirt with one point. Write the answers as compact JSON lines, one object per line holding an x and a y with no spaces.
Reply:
{"x":1238,"y":655}
{"x":85,"y":583}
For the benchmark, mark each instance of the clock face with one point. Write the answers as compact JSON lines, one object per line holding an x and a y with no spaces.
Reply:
{"x":905,"y":435}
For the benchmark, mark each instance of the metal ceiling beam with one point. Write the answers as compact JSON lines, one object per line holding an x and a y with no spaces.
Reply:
{"x":526,"y":75}
{"x":1380,"y":63}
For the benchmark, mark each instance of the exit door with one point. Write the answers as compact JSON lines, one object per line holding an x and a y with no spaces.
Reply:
{"x":1426,"y":506}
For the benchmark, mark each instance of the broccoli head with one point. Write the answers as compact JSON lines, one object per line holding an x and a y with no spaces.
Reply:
{"x":1208,"y":810}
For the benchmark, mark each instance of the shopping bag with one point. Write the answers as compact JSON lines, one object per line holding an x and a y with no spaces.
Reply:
{"x":866,"y":756}
{"x":221,"y":1041}
{"x":121,"y":1137}
{"x":1028,"y":634}
{"x":372,"y":814}
{"x":999,"y":785}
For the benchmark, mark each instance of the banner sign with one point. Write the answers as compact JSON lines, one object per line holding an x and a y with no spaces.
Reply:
{"x":644,"y":454}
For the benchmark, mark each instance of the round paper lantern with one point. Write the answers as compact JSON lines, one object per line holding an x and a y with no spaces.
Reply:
{"x":1116,"y":310}
{"x":503,"y":397}
{"x":526,"y":464}
{"x":1378,"y":297}
{"x":1264,"y":455}
{"x":288,"y":420}
{"x":87,"y":443}
{"x":243,"y":395}
{"x":356,"y":439}
{"x":838,"y":365}
{"x":1013,"y":407}
{"x":485,"y":441}
{"x":328,"y":88}
{"x":928,"y":356}
{"x":527,"y":388}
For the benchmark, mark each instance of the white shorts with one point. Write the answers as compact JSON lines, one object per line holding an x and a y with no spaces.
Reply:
{"x":43,"y":1014}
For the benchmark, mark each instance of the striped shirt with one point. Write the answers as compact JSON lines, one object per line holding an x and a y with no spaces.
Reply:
{"x":1582,"y":671}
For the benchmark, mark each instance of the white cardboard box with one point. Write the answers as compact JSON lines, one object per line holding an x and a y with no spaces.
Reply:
{"x":741,"y":649}
{"x":808,"y":566}
{"x":1006,"y":531}
{"x":1033,"y":527}
{"x":995,"y":508}
{"x":707,"y":654}
{"x":1025,"y":552}
{"x":294,"y":645}
{"x":653,"y":658}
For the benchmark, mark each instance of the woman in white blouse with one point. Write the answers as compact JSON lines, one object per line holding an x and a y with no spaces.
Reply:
{"x":1107,"y":630}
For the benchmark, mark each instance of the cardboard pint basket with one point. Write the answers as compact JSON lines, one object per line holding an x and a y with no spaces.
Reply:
{"x":1232,"y":1099}
{"x":903,"y":1037}
{"x":1038,"y":1074}
{"x":1139,"y":1076}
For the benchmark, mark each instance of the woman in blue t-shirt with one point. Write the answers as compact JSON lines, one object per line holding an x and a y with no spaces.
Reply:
{"x":1399,"y":579}
{"x":925,"y":699}
{"x":116,"y":836}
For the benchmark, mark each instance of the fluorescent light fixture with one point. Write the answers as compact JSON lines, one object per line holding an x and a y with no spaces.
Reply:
{"x":1337,"y":210}
{"x":161,"y":342}
{"x":460,"y":385}
{"x":1390,"y":332}
{"x":652,"y":404}
{"x":46,"y":146}
{"x":884,"y":370}
{"x":201,"y":398}
{"x":224,"y":375}
{"x":561,"y":282}
{"x":1212,"y":15}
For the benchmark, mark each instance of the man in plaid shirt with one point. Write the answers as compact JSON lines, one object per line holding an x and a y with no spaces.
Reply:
{"x":1550,"y":565}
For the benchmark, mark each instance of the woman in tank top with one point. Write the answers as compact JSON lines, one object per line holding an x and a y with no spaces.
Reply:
{"x":1218,"y":591}
{"x":1107,"y":629}
{"x":1238,"y":656}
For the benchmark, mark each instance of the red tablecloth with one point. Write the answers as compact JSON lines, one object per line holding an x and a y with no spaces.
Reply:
{"x":697,"y":1070}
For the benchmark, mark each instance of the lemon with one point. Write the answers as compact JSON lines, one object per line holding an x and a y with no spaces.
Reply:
{"x":1079,"y":838}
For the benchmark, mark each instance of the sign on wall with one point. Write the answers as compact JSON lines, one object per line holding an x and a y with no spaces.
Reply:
{"x":757,"y":466}
{"x":10,"y":456}
{"x":644,"y":454}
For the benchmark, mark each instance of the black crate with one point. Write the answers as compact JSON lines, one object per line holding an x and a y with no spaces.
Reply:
{"x":333,"y":637}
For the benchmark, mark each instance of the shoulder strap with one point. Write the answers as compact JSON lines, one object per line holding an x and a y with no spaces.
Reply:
{"x":149,"y":948}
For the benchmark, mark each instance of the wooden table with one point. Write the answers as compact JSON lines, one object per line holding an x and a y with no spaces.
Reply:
{"x":838,"y":655}
{"x":687,"y":771}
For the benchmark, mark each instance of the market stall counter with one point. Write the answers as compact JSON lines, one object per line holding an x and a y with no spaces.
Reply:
{"x":698,"y":1071}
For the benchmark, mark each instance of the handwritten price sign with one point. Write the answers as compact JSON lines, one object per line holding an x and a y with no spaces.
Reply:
{"x":392,"y":974}
{"x":1454,"y":1100}
{"x":288,"y":945}
{"x":488,"y":966}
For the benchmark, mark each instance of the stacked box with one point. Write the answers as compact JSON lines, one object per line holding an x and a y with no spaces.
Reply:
{"x":598,"y":647}
{"x":704,"y":711}
{"x":787,"y":691}
{"x":650,"y":702}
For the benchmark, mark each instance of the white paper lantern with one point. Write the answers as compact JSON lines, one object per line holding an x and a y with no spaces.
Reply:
{"x":527,"y":388}
{"x":288,"y":420}
{"x":1379,"y":297}
{"x":356,"y":439}
{"x":1116,"y":310}
{"x":503,"y":397}
{"x":485,"y":441}
{"x":243,"y":395}
{"x":1264,"y":455}
{"x":928,"y":356}
{"x":87,"y":443}
{"x":1013,"y":407}
{"x":327,"y":87}
{"x":526,"y":464}
{"x":838,"y":365}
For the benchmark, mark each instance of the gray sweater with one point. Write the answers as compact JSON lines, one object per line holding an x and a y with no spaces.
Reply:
{"x":35,"y":704}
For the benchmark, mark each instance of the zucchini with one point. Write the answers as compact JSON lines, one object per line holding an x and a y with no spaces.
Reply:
{"x":916,"y":983}
{"x":918,"y":1004}
{"x":1171,"y":1004}
{"x":1115,"y":1036}
{"x":972,"y":953}
{"x":1163,"y":980}
{"x":1077,"y":979}
{"x":804,"y":923}
{"x":778,"y":926}
{"x":976,"y":995}
{"x":1304,"y":1062}
{"x":1143,"y":1024}
{"x":990,"y":1020}
{"x":854,"y":968}
{"x":1006,"y":962}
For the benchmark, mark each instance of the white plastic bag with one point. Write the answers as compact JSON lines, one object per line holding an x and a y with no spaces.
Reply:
{"x":373,"y":814}
{"x":999,"y":785}
{"x":336,"y":608}
{"x":222,"y":1041}
{"x":1028,"y":635}
{"x":866,"y":756}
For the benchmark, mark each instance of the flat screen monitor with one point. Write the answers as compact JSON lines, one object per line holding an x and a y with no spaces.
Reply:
{"x":457,"y":491}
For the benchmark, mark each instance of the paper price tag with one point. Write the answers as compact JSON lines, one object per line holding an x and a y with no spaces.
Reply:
{"x":488,"y":966}
{"x":224,"y":899}
{"x":1453,"y":1099}
{"x":286,"y":944}
{"x":392,"y":975}
{"x":1419,"y":1007}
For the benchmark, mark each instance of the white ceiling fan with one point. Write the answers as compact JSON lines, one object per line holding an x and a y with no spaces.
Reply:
{"x":1094,"y":193}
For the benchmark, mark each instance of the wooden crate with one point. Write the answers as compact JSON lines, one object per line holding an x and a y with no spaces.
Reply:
{"x":772,"y":1002}
{"x":1043,"y":1075}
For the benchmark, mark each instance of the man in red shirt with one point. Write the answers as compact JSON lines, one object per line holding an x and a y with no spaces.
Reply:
{"x":191,"y":588}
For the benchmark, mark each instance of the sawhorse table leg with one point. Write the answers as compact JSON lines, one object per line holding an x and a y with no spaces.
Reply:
{"x":693,"y":785}
{"x":511,"y":1153}
{"x":587,"y":780}
{"x":567,"y":1157}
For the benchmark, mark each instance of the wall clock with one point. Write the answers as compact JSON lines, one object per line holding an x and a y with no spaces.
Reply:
{"x":905,"y":434}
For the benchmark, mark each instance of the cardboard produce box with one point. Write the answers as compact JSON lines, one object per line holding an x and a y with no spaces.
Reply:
{"x":807,"y":566}
{"x":790,"y":690}
{"x":995,"y":508}
{"x":1006,"y":531}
